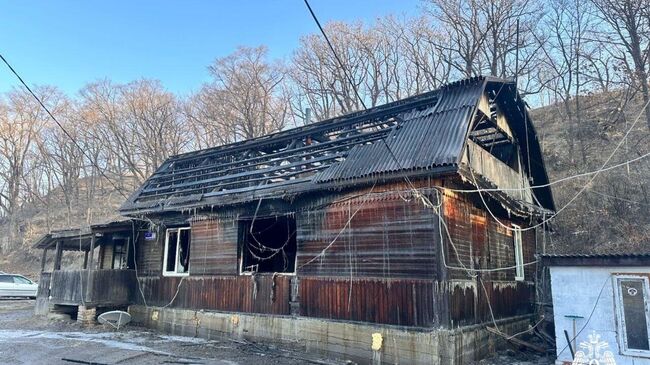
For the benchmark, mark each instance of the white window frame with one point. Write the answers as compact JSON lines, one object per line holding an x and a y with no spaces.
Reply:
{"x":620,"y":317}
{"x":178,"y":247}
{"x":520,"y":273}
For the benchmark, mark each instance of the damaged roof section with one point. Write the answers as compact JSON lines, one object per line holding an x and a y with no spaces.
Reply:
{"x":420,"y":135}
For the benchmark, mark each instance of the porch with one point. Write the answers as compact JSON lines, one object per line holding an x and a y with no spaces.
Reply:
{"x":99,"y":271}
{"x":91,"y":288}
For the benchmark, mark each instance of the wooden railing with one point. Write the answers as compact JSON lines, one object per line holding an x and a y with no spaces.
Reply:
{"x":107,"y":287}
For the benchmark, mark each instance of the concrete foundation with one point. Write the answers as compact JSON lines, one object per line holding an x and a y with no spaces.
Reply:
{"x":359,"y":342}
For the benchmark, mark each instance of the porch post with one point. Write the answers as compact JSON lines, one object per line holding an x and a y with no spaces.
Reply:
{"x":86,"y":259}
{"x":89,"y":277}
{"x":92,"y":252}
{"x":43,"y":259}
{"x":59,"y":253}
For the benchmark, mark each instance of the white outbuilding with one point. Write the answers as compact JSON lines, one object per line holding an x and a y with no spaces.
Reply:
{"x":600,"y":308}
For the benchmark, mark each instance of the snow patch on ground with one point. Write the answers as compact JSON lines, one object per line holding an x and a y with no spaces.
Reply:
{"x":106,"y":339}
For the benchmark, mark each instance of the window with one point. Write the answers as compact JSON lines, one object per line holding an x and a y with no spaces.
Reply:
{"x":632,"y":314}
{"x":21,"y":280}
{"x":177,"y":252}
{"x":267,"y":245}
{"x":519,"y":253}
{"x":119,"y":254}
{"x":6,"y":279}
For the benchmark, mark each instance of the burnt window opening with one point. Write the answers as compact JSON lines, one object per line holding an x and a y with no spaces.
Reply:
{"x":267,"y":245}
{"x":507,"y":153}
{"x":119,"y":254}
{"x":177,"y":252}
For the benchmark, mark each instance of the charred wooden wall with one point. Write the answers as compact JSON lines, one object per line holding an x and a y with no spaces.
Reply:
{"x":410,"y":302}
{"x":371,"y":255}
{"x":386,"y":234}
{"x":250,"y":294}
{"x":107,"y":287}
{"x":480,"y":242}
{"x":382,"y":268}
{"x":149,"y":253}
{"x":214,"y":247}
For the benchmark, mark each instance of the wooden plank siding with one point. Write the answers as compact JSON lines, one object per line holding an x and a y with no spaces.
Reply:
{"x":482,"y":243}
{"x":498,"y":173}
{"x":385,"y":235}
{"x":44,"y":285}
{"x":362,"y":256}
{"x":249,"y":294}
{"x":149,"y":253}
{"x":214,"y":247}
{"x":479,"y":240}
{"x":404,"y":302}
{"x":109,"y":287}
{"x":468,"y":304}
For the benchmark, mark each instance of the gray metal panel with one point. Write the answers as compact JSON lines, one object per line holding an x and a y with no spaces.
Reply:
{"x":424,"y":139}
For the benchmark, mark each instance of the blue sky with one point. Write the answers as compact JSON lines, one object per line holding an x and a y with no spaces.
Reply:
{"x":70,"y":43}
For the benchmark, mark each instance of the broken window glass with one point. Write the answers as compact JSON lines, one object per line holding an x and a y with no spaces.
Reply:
{"x":177,"y":251}
{"x":268,"y":245}
{"x":183,"y":251}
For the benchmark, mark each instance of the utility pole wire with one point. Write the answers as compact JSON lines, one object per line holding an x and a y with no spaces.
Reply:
{"x":83,"y":151}
{"x":345,"y":72}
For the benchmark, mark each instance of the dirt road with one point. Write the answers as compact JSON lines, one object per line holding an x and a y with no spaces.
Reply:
{"x":26,"y":339}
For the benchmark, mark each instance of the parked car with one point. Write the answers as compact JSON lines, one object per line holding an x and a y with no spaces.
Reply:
{"x":17,"y":286}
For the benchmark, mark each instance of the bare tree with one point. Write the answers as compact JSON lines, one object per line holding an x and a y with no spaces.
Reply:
{"x":467,"y":28}
{"x":629,"y":37}
{"x":60,"y":155}
{"x":424,"y":62}
{"x":20,"y":120}
{"x":246,"y":99}
{"x":138,"y":123}
{"x":322,"y":83}
{"x":151,"y":116}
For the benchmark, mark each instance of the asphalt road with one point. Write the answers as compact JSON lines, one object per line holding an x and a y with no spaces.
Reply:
{"x":27,"y":339}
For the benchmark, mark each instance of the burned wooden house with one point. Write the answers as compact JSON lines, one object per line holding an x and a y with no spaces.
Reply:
{"x":364,"y":235}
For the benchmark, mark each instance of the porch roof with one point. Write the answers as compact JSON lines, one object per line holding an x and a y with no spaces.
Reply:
{"x":78,"y":239}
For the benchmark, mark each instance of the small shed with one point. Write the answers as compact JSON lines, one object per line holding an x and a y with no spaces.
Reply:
{"x":600,"y":306}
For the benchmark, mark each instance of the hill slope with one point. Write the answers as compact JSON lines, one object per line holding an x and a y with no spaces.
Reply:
{"x":611,"y":215}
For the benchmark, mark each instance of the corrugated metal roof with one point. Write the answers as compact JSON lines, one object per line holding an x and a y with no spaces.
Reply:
{"x":423,"y":132}
{"x":606,"y":259}
{"x":598,"y":255}
{"x":431,"y":139}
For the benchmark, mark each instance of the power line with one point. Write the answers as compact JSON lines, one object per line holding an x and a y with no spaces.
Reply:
{"x":83,"y":151}
{"x":424,"y":200}
{"x":345,"y":72}
{"x":593,"y":309}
